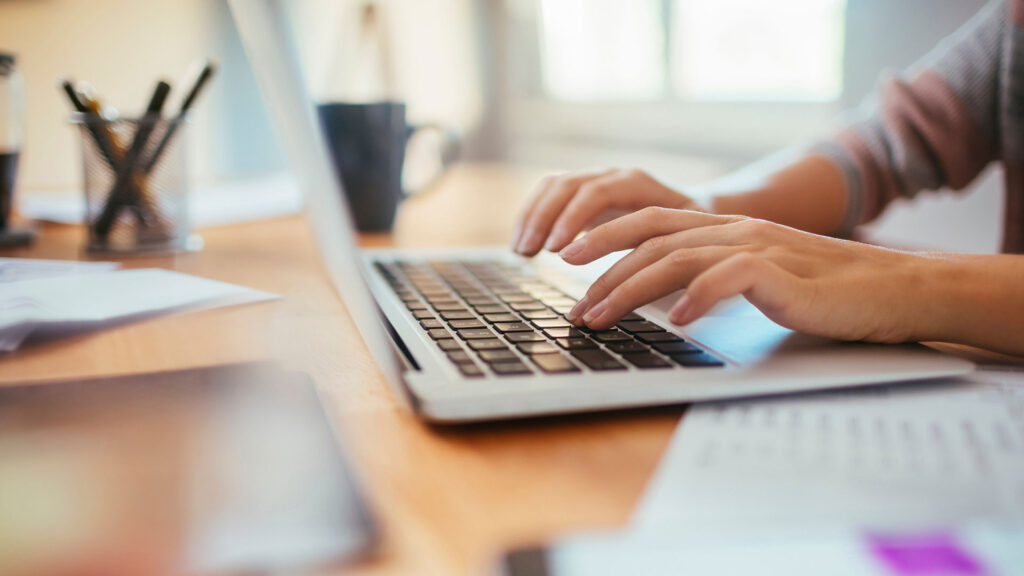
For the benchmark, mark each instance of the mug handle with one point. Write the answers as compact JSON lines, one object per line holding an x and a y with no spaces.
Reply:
{"x":424,"y":176}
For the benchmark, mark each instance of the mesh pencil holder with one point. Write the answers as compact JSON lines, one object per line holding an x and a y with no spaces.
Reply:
{"x":136,"y":195}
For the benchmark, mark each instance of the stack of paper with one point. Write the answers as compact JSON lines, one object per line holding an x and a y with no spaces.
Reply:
{"x":90,"y":298}
{"x":16,"y":269}
{"x":933,"y":454}
{"x":923,"y":479}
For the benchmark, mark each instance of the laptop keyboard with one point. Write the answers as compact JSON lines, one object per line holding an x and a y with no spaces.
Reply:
{"x":498,"y":318}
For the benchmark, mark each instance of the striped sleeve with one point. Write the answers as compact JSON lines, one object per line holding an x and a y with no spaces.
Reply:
{"x":931,"y":128}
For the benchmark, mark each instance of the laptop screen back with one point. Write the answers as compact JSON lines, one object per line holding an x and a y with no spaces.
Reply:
{"x":263,"y":27}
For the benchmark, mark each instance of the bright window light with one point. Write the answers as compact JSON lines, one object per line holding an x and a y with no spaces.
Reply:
{"x":602,"y":49}
{"x":747,"y":50}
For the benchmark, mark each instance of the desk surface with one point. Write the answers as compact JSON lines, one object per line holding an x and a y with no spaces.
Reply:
{"x":448,"y":499}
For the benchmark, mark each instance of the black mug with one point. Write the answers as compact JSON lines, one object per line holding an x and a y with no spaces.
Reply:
{"x":367,"y":143}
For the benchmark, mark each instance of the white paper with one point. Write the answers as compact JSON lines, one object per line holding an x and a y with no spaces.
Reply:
{"x":934,"y":454}
{"x":17,"y":269}
{"x":975,"y":550}
{"x":65,"y":304}
{"x":227,"y":203}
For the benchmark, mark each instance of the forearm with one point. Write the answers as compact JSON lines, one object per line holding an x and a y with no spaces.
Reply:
{"x":808,"y":194}
{"x":975,"y":300}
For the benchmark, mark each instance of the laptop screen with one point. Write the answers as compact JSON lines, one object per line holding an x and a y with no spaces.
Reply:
{"x":263,"y":27}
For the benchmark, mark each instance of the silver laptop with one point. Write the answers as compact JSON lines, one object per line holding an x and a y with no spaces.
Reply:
{"x":478,"y":334}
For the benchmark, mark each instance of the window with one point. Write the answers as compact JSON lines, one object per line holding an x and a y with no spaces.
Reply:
{"x":692,"y":50}
{"x":602,"y":50}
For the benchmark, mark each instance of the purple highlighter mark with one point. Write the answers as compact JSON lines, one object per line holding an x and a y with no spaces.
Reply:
{"x":925,"y":554}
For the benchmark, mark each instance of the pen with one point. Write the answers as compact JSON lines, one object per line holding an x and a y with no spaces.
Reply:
{"x":123,"y":192}
{"x":102,"y":142}
{"x":204,"y":75}
{"x":144,"y":208}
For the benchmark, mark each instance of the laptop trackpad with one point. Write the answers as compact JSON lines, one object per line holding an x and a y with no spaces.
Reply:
{"x":740,"y":332}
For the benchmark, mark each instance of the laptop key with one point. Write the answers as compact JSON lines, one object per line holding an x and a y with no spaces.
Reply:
{"x":626,"y":347}
{"x":647,"y":360}
{"x":652,"y":337}
{"x":612,"y":336}
{"x":563,"y":301}
{"x":492,"y":344}
{"x":431,"y":324}
{"x":525,"y":337}
{"x":521,"y":297}
{"x":699,"y":360}
{"x":470,"y":370}
{"x":554,"y":363}
{"x":597,"y":360}
{"x":576,"y":343}
{"x":475,"y":334}
{"x":448,"y":344}
{"x":527,"y":306}
{"x":469,"y":323}
{"x":491,"y":309}
{"x":564,"y":333}
{"x":492,"y":318}
{"x":510,"y":368}
{"x":490,"y":356}
{"x":439,"y":333}
{"x":676,"y":348}
{"x":539,"y":314}
{"x":450,"y":307}
{"x":534,"y":348}
{"x":513,"y":327}
{"x":632,"y":316}
{"x":417,"y":305}
{"x":551,"y":323}
{"x":459,"y":356}
{"x":634,"y":326}
{"x":482,"y":301}
{"x":422,"y":314}
{"x":442,"y":299}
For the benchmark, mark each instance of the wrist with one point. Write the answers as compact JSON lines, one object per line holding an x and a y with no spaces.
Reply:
{"x":941,"y":288}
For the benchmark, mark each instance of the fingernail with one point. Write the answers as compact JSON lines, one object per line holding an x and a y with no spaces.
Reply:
{"x":596,"y":312}
{"x":530,"y":238}
{"x":553,"y":241}
{"x":573,"y":249}
{"x":577,"y":310}
{"x":679,"y":312}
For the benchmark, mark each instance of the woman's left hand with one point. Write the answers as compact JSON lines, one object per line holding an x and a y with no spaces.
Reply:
{"x":813,"y":284}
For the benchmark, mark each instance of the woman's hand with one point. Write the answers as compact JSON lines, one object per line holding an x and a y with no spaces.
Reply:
{"x":564,"y":206}
{"x":813,"y":284}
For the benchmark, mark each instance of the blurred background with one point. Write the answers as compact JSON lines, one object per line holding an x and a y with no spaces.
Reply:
{"x":685,"y":89}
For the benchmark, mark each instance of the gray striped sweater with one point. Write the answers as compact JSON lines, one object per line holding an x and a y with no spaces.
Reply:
{"x":939,"y":125}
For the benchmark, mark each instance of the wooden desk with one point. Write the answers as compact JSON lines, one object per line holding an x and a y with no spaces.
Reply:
{"x":448,"y":499}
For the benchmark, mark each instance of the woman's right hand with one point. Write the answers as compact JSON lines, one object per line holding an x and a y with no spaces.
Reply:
{"x":563,"y":206}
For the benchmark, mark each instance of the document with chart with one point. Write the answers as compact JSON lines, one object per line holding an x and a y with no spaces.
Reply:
{"x":934,"y":454}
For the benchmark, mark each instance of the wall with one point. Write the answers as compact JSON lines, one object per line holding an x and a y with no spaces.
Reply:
{"x":123,"y":47}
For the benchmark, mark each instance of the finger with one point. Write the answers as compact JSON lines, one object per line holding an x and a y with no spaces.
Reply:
{"x":549,"y":204}
{"x":593,"y":198}
{"x":633,"y":229}
{"x":659,"y":279}
{"x":538,"y":191}
{"x":647,"y":253}
{"x":766,"y":285}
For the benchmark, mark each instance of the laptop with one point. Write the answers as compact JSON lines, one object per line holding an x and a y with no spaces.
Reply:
{"x":479,"y":333}
{"x":233,"y":469}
